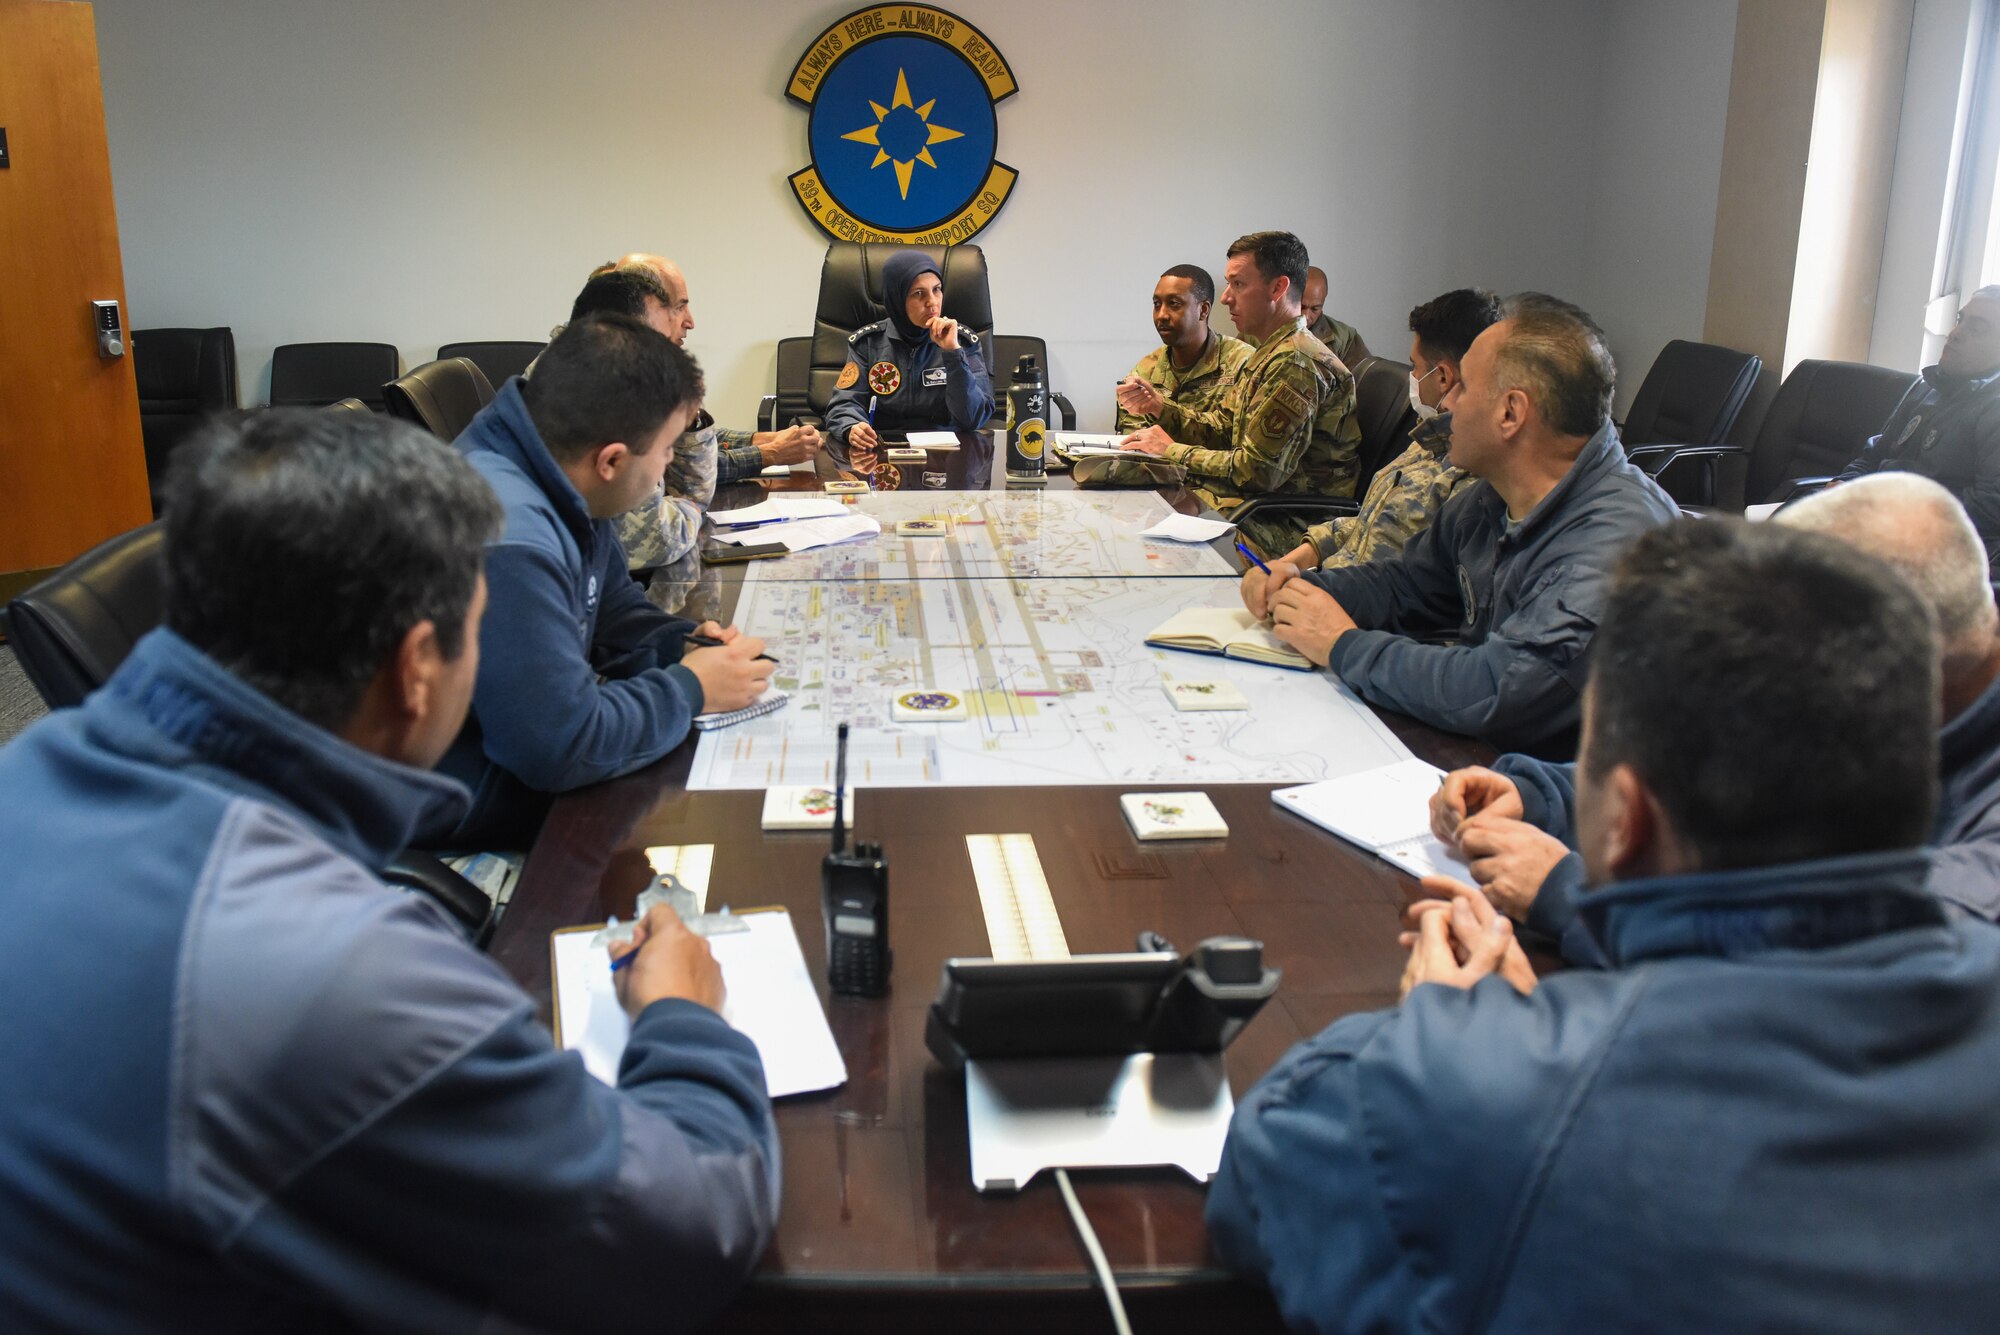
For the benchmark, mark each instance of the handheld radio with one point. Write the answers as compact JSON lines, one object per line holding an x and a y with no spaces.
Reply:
{"x":854,"y":901}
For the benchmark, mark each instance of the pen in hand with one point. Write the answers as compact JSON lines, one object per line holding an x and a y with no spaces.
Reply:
{"x":710,"y":642}
{"x":1254,"y":559}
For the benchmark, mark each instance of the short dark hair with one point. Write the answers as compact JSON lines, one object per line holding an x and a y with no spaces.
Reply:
{"x":1445,"y":326}
{"x":608,"y":378}
{"x":301,"y":546}
{"x":1776,"y":689}
{"x":1277,"y":254}
{"x":621,"y":292}
{"x":1556,"y":352}
{"x":1202,"y":286}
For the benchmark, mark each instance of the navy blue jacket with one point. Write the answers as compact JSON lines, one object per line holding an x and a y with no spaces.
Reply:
{"x":579,"y":676}
{"x":246,"y":1086}
{"x":1775,"y":1111}
{"x":1522,"y":605}
{"x":1948,"y":429}
{"x":933,"y":390}
{"x":1965,"y":857}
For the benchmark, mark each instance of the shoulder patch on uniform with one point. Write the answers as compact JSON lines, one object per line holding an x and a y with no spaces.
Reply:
{"x":848,"y":375}
{"x":866,"y":329}
{"x":1283,"y":413}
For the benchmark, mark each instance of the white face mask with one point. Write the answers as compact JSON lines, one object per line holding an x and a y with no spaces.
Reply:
{"x":1425,"y":412}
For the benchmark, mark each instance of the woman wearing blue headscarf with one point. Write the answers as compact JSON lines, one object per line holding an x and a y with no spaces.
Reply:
{"x":915,"y":371}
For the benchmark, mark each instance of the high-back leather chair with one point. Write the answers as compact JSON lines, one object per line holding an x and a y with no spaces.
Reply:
{"x":183,"y":375}
{"x":1003,"y":351}
{"x":850,"y":288}
{"x":1691,"y":396}
{"x":72,"y":630}
{"x":313,"y":375}
{"x":498,"y":362}
{"x":789,"y":401}
{"x":441,"y":397}
{"x":1382,"y":410}
{"x":1823,"y":414}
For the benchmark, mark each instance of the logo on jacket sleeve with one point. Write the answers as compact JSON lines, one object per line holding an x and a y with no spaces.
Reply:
{"x":902,"y":127}
{"x":848,"y":375}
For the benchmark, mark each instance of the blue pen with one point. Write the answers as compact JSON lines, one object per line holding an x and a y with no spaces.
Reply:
{"x":1253,"y":557}
{"x":624,"y":960}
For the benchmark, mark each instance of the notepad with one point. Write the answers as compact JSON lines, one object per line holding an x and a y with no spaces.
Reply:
{"x":1231,"y":632}
{"x":1083,"y":442}
{"x":776,"y":510}
{"x":770,"y":1001}
{"x":1386,"y":811}
{"x":933,"y":440}
{"x":770,"y":700}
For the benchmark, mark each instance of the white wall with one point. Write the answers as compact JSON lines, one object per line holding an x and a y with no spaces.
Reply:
{"x":1659,"y":117}
{"x":424,"y":172}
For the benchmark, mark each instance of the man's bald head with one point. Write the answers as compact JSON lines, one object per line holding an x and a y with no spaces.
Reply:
{"x":1921,"y":531}
{"x":1313,"y":304}
{"x":679,"y":313}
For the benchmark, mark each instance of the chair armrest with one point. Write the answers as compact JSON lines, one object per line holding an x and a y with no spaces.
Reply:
{"x":1800,"y":487}
{"x":1068,"y":411}
{"x":767,"y":413}
{"x":465,"y":902}
{"x":1330,"y":507}
{"x":1669,"y":453}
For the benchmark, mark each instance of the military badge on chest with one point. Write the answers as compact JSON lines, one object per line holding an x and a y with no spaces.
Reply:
{"x":884,"y":379}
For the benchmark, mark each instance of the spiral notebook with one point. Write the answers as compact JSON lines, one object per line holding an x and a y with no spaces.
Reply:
{"x":773,"y":699}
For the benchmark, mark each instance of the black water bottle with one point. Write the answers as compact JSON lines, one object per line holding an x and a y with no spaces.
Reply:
{"x":1027,"y":422}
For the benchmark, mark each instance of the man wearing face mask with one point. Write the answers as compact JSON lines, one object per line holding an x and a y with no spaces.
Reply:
{"x":915,"y":371}
{"x":1193,"y":364}
{"x":1947,"y":428}
{"x":1407,"y":493}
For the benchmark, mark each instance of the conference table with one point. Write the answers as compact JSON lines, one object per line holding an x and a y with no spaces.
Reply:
{"x":881,"y":1226}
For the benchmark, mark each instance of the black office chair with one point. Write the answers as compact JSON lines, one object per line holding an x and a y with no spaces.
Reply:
{"x":1691,"y":396}
{"x":183,"y":375}
{"x":72,"y":630}
{"x":1823,"y":414}
{"x":347,"y":406}
{"x":790,"y":403}
{"x":441,"y":397}
{"x":313,"y":375}
{"x":1382,"y":410}
{"x":498,"y":362}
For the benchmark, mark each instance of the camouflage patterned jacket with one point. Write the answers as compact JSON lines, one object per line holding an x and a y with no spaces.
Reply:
{"x":665,"y":527}
{"x":1344,"y":339}
{"x":1200,"y":387}
{"x":1285,"y":425}
{"x":1401,"y":502}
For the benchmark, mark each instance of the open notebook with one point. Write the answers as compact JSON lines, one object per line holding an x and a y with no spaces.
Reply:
{"x":1229,"y":631}
{"x":771,"y":1001}
{"x":1386,"y":811}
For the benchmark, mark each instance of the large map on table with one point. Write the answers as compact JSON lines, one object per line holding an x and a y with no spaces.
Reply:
{"x":1063,"y":690}
{"x":1025,"y":533}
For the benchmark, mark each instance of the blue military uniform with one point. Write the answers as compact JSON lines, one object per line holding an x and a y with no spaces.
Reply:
{"x":915,"y":386}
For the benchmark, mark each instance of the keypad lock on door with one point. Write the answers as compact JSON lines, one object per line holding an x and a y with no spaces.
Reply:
{"x":110,"y":328}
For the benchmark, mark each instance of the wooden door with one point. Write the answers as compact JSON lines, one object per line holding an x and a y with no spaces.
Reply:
{"x":72,"y":466}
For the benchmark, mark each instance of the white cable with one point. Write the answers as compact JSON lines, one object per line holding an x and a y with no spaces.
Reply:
{"x":1090,"y":1245}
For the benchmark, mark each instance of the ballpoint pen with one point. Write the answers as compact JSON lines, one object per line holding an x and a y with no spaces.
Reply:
{"x":710,"y":642}
{"x":1254,"y":560}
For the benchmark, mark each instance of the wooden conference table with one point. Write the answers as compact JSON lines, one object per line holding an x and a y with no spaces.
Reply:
{"x":881,"y":1227}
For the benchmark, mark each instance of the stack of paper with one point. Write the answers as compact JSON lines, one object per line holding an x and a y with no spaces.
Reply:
{"x":1386,"y":811}
{"x":1189,"y":528}
{"x":777,"y":510}
{"x":771,"y":1002}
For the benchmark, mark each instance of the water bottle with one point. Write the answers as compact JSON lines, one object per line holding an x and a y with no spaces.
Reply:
{"x":1027,"y":423}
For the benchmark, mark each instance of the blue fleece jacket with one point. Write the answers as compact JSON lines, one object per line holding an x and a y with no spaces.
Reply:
{"x":579,"y":676}
{"x":1521,"y":601}
{"x":1774,"y":1111}
{"x":246,"y":1086}
{"x":1965,"y":856}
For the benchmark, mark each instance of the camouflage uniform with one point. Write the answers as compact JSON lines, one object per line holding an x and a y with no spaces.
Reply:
{"x":1200,"y":387}
{"x":1402,"y":501}
{"x":1285,"y":426}
{"x":665,"y":527}
{"x":1344,"y":339}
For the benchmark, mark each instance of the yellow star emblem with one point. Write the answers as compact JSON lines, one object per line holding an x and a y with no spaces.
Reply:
{"x":871,"y":134}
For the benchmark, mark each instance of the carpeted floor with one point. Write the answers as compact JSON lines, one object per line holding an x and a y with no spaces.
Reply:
{"x":19,"y":705}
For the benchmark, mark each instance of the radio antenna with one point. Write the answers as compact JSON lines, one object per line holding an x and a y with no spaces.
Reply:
{"x":840,"y":794}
